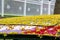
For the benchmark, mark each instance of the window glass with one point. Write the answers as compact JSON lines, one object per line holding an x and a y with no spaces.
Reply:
{"x":45,"y":8}
{"x":53,"y":2}
{"x":52,"y":9}
{"x":18,"y":0}
{"x":0,"y":6}
{"x":32,"y":9}
{"x":14,"y":8}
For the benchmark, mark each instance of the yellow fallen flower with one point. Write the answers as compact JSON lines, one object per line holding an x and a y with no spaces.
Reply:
{"x":32,"y":20}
